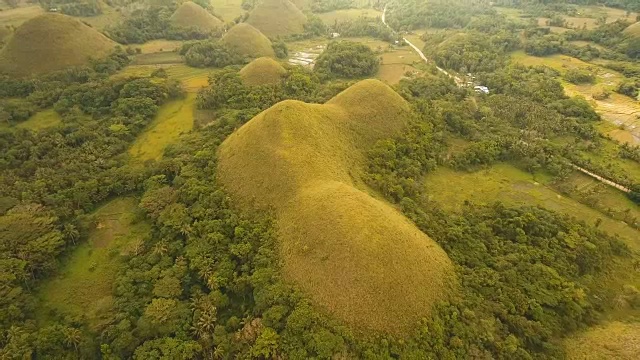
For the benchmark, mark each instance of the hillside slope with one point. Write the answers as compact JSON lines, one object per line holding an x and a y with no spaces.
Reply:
{"x":304,"y":161}
{"x":615,"y":340}
{"x":52,"y":42}
{"x":277,"y":18}
{"x":262,"y":71}
{"x":248,"y":41}
{"x":191,"y":14}
{"x":633,"y":30}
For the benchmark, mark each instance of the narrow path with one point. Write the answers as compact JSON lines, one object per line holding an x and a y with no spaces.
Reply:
{"x":419,"y":52}
{"x":601,"y":179}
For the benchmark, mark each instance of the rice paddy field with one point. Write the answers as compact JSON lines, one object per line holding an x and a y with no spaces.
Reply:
{"x":84,"y":285}
{"x":41,"y":120}
{"x":508,"y":184}
{"x":173,"y":119}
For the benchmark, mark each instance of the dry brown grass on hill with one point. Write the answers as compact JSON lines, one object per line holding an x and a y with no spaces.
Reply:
{"x":352,"y":254}
{"x":248,"y":41}
{"x":615,"y":340}
{"x":192,"y":14}
{"x":52,"y":42}
{"x":277,"y":18}
{"x":633,"y":30}
{"x":262,"y":71}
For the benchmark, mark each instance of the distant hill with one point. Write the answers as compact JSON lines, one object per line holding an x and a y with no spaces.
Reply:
{"x":191,"y":14}
{"x":248,"y":41}
{"x":633,"y":30}
{"x":52,"y":42}
{"x":277,"y":18}
{"x":351,"y":253}
{"x":262,"y":71}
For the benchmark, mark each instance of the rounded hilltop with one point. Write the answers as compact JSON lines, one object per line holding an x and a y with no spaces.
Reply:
{"x":277,"y":18}
{"x":262,"y":71}
{"x":633,"y":30}
{"x":191,"y":14}
{"x":248,"y":41}
{"x":52,"y":42}
{"x":333,"y":245}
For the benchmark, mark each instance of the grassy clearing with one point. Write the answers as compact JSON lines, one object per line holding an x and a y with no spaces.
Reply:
{"x":41,"y":120}
{"x":228,"y":10}
{"x":162,"y":45}
{"x":277,"y":18}
{"x":615,"y":340}
{"x":52,"y":42}
{"x":160,"y":58}
{"x":17,"y":16}
{"x":109,"y":16}
{"x":173,"y":119}
{"x":84,"y":285}
{"x":192,"y":79}
{"x":331,"y":17}
{"x":333,"y":244}
{"x":392,"y":73}
{"x":503,"y":182}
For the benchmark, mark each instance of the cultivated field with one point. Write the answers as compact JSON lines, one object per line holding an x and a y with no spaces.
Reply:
{"x":512,"y":186}
{"x":173,"y":119}
{"x":192,"y":79}
{"x":84,"y":285}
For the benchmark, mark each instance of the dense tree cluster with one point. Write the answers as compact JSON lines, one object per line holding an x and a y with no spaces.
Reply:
{"x":365,"y":26}
{"x":345,"y":59}
{"x":209,"y":53}
{"x":73,"y":7}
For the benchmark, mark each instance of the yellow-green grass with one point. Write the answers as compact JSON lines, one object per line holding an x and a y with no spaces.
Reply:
{"x":353,"y":255}
{"x":17,"y":16}
{"x":262,"y":71}
{"x":248,"y":41}
{"x":162,"y":45}
{"x":614,"y":340}
{"x":108,"y":17}
{"x":41,"y":120}
{"x":633,"y":30}
{"x":393,"y":73}
{"x":505,"y":183}
{"x":618,"y":134}
{"x":192,"y":79}
{"x":228,"y":10}
{"x":331,"y":17}
{"x":173,"y":119}
{"x":167,"y":57}
{"x":608,"y":155}
{"x":52,"y":42}
{"x":84,"y":285}
{"x":191,"y":14}
{"x":277,"y":18}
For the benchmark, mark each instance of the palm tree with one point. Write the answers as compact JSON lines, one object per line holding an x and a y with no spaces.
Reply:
{"x":72,"y":337}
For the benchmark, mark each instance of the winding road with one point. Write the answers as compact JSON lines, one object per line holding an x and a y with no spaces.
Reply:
{"x":460,"y":83}
{"x":418,"y":51}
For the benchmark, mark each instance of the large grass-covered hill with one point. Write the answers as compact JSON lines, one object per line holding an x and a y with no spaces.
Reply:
{"x":262,"y":71}
{"x":353,"y":254}
{"x":248,"y":41}
{"x":277,"y":18}
{"x":52,"y":42}
{"x":191,"y":14}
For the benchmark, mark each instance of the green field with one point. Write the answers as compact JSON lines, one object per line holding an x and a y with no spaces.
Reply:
{"x":512,"y":186}
{"x":192,"y":79}
{"x":84,"y":285}
{"x":41,"y":120}
{"x":228,"y":10}
{"x":615,"y":340}
{"x":159,"y":58}
{"x":173,"y":119}
{"x":331,"y":17}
